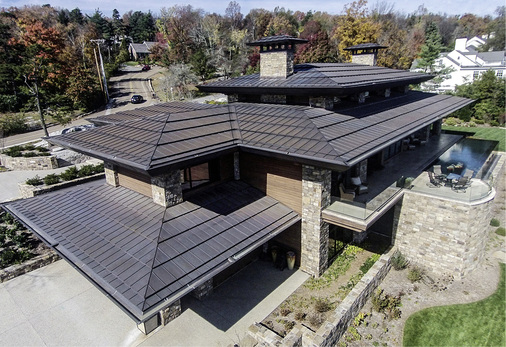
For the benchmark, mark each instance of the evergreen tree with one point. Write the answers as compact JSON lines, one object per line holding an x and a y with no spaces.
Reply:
{"x":431,"y":48}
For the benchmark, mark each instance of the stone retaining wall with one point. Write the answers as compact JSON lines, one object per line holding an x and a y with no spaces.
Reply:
{"x":28,"y":191}
{"x":32,"y":163}
{"x":30,"y":265}
{"x":331,"y":330}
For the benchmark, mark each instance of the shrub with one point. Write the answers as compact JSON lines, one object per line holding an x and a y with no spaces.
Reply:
{"x":452,"y":121}
{"x":86,"y":170}
{"x":299,"y":315}
{"x":35,"y":181}
{"x":501,"y":231}
{"x":12,"y":124}
{"x":8,"y":257}
{"x":2,"y":240}
{"x":316,"y":319}
{"x":288,"y":324}
{"x":285,"y":311}
{"x":399,"y":261}
{"x":415,"y":274}
{"x":386,"y":304}
{"x":29,"y":147}
{"x":51,"y":179}
{"x":322,"y":305}
{"x":42,"y":149}
{"x":99,"y":168}
{"x":21,"y":239}
{"x":369,"y":263}
{"x":472,"y":124}
{"x":70,"y":174}
{"x":30,"y":154}
{"x":495,"y":222}
{"x":494,"y":123}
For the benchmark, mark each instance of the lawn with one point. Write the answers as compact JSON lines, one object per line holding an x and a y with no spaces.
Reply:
{"x":497,"y":134}
{"x":480,"y":323}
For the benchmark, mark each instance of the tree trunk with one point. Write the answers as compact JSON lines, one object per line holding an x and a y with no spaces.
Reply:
{"x":41,"y":115}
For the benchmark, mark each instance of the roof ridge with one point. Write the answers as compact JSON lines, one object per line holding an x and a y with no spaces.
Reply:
{"x":158,"y":142}
{"x":234,"y":123}
{"x":144,"y":295}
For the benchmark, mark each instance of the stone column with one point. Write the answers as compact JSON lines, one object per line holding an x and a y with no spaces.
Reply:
{"x":111,"y":174}
{"x":232,"y":98}
{"x":237,"y":170}
{"x":166,"y":188}
{"x":362,"y":170}
{"x":203,"y":290}
{"x":436,"y":127}
{"x":170,"y":313}
{"x":361,"y":98}
{"x":316,"y":184}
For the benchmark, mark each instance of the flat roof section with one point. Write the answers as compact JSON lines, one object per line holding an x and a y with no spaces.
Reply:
{"x":144,"y":256}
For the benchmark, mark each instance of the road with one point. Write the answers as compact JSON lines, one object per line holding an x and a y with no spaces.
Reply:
{"x":131,"y":80}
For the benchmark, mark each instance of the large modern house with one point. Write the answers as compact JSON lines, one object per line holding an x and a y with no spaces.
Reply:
{"x":300,"y":155}
{"x":466,"y":63}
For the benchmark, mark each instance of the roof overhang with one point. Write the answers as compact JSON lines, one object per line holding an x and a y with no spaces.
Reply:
{"x":143,"y":256}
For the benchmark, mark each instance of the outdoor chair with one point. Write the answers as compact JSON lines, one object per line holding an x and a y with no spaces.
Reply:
{"x":433,"y":181}
{"x":437,"y":172}
{"x":346,"y":194}
{"x":462,"y":184}
{"x":468,"y":173}
{"x":360,"y":188}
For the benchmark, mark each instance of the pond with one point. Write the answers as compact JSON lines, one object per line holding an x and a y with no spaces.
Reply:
{"x":466,"y":154}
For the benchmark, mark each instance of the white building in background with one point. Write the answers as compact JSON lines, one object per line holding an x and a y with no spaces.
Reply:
{"x":467,"y":64}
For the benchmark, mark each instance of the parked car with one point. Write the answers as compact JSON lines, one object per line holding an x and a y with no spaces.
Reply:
{"x":137,"y":99}
{"x":146,"y":68}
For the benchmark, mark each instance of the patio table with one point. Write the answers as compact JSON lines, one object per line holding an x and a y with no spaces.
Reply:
{"x":450,"y":177}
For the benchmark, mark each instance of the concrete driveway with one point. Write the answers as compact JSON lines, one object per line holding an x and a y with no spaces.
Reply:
{"x":56,"y":306}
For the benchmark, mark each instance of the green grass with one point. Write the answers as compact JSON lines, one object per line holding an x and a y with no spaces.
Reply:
{"x":480,"y":323}
{"x":497,"y":134}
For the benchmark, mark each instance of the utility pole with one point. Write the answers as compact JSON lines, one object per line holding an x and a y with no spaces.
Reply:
{"x":98,"y":42}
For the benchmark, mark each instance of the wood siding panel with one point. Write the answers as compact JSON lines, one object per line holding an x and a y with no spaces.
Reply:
{"x":135,"y":181}
{"x":281,"y":180}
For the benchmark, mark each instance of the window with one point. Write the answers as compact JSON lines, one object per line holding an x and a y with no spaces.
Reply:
{"x":500,"y":73}
{"x":476,"y":74}
{"x":198,"y":175}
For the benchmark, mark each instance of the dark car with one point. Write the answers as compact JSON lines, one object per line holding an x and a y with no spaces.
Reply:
{"x":137,"y":99}
{"x":146,"y":68}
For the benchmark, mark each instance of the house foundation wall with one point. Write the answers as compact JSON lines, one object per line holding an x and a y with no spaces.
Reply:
{"x":316,"y":184}
{"x":440,"y":235}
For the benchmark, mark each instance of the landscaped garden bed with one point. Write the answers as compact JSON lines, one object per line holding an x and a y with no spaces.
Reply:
{"x":20,"y":250}
{"x":72,"y":176}
{"x":28,"y":157}
{"x":315,"y":301}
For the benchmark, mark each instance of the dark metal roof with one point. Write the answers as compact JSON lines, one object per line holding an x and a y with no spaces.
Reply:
{"x":318,"y":79}
{"x":308,"y":135}
{"x":143,"y":255}
{"x":279,"y":39}
{"x":365,"y":46}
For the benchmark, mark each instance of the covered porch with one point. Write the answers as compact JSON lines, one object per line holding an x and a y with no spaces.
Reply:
{"x":382,"y":184}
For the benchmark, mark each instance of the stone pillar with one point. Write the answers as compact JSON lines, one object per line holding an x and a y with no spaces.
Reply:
{"x":203,"y":290}
{"x":170,"y":313}
{"x":273,"y":99}
{"x":166,"y":188}
{"x":387,"y":93}
{"x":111,"y":174}
{"x":436,"y":127}
{"x":316,"y":184}
{"x":237,"y":169}
{"x":361,"y":98}
{"x":362,"y":170}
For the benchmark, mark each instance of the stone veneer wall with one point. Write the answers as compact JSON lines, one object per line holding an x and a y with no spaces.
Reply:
{"x":444,"y":236}
{"x":30,"y":265}
{"x":203,"y":290}
{"x":364,"y":59}
{"x":166,"y":188}
{"x":316,"y":183}
{"x":273,"y":99}
{"x":32,"y":163}
{"x":111,"y":174}
{"x":276,"y":63}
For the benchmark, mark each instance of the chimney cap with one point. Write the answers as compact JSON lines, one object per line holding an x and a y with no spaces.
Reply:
{"x":279,"y":39}
{"x":365,"y":48}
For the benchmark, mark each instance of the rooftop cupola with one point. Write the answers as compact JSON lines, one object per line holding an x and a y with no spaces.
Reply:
{"x":276,"y":55}
{"x":365,"y":53}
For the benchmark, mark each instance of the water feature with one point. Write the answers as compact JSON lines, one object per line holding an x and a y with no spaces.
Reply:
{"x":466,"y":154}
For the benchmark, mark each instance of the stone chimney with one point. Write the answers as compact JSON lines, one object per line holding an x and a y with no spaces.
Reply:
{"x":365,"y":53}
{"x":276,"y":55}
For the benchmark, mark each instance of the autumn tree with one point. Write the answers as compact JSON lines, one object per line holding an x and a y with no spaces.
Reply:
{"x":355,"y":27}
{"x":496,"y":30}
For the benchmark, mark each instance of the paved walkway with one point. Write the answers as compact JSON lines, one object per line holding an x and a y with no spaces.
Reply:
{"x":56,"y":306}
